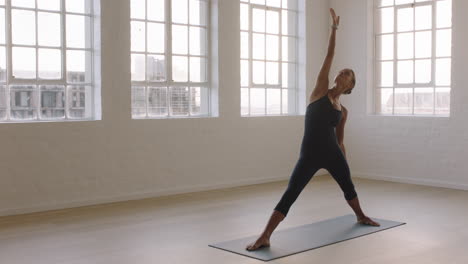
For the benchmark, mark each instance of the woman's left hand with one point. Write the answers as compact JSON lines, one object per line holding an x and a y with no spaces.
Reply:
{"x":336,"y":19}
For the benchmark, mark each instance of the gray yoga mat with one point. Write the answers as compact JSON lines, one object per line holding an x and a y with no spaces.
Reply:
{"x":302,"y":238}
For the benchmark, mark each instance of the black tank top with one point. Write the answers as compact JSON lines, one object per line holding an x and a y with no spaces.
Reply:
{"x":321,"y":119}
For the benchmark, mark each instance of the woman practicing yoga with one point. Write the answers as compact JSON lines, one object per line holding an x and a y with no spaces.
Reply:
{"x":321,"y":146}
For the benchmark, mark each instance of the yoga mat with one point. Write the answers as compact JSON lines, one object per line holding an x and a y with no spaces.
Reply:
{"x":302,"y":238}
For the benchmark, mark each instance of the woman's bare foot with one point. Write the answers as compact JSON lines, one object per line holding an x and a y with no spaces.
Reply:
{"x":367,"y":221}
{"x":260,"y":243}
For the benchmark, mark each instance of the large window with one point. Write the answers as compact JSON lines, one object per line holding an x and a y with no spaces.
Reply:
{"x":169,"y":47}
{"x":268,"y":57}
{"x":46,"y":60}
{"x":413,"y":57}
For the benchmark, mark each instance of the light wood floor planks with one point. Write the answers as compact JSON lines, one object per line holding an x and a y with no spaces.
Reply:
{"x":177,"y":229}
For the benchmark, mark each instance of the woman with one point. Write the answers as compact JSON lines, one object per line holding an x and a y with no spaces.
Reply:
{"x":321,"y":146}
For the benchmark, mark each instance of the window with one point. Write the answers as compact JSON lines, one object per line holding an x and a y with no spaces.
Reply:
{"x":46,"y":65}
{"x":268,"y":57}
{"x":169,"y":47}
{"x":413,"y":57}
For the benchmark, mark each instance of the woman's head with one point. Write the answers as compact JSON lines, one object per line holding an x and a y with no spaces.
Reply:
{"x":345,"y":81}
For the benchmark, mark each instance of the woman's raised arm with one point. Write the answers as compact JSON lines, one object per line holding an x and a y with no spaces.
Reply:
{"x":321,"y":85}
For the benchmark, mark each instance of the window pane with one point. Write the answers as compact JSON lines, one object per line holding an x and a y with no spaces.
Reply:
{"x":272,"y":22}
{"x":443,"y":72}
{"x":272,"y":49}
{"x":384,"y":99}
{"x":24,"y":63}
{"x":244,"y":73}
{"x":52,"y":102}
{"x":2,"y":25}
{"x":403,"y":101}
{"x":179,"y":101}
{"x":444,"y":13}
{"x":198,"y":12}
{"x":442,"y":101}
{"x":156,"y":68}
{"x":244,"y":45}
{"x":258,"y":20}
{"x":273,"y":3}
{"x":50,"y":64}
{"x":244,"y":101}
{"x":386,"y":73}
{"x":138,"y":36}
{"x":423,"y":71}
{"x":257,"y":101}
{"x":179,"y":39}
{"x":290,"y":4}
{"x":405,"y":72}
{"x":273,"y":101}
{"x":258,"y":46}
{"x":79,"y":66}
{"x":198,"y":41}
{"x":423,"y":44}
{"x":385,"y":47}
{"x":258,"y":74}
{"x":138,"y":102}
{"x":244,"y":17}
{"x":272,"y":73}
{"x":138,"y":67}
{"x":405,"y":46}
{"x":288,"y":101}
{"x":401,"y":2}
{"x":199,"y":101}
{"x":289,"y":49}
{"x":385,"y":2}
{"x":3,"y":103}
{"x":53,"y":5}
{"x":180,"y":14}
{"x":197,"y":69}
{"x":155,"y":10}
{"x":157,"y":102}
{"x":49,"y":29}
{"x":2,"y":64}
{"x":23,"y":3}
{"x":78,"y":6}
{"x":79,"y":102}
{"x":386,"y":20}
{"x":444,"y":43}
{"x":156,"y":37}
{"x":424,"y":101}
{"x":23,"y":27}
{"x":423,"y":17}
{"x":289,"y":23}
{"x":180,"y":68}
{"x":77,"y":33}
{"x":289,"y":75}
{"x":23,"y":102}
{"x":405,"y":19}
{"x":137,"y":9}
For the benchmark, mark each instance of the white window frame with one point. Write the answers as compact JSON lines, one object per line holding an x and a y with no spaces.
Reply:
{"x":12,"y":81}
{"x":169,"y":82}
{"x":291,"y":110}
{"x":395,"y":60}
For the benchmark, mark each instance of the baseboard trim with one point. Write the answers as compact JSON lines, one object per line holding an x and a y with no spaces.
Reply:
{"x":425,"y":182}
{"x":137,"y":196}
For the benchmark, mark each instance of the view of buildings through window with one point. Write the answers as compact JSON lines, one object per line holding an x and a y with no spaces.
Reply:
{"x":169,"y":46}
{"x":413,"y":57}
{"x":46,"y":60}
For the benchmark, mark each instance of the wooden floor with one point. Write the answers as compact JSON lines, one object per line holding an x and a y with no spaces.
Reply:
{"x":178,"y":229}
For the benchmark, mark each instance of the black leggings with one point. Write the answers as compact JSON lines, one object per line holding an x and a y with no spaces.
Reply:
{"x":305,"y":169}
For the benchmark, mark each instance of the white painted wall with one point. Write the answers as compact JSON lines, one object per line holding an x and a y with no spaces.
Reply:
{"x":423,"y":150}
{"x":60,"y":165}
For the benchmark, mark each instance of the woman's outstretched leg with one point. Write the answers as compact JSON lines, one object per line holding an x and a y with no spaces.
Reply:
{"x":264,"y":239}
{"x":339,"y":170}
{"x":301,"y":175}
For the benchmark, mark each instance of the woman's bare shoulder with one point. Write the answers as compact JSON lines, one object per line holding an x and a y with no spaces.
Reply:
{"x":316,"y":95}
